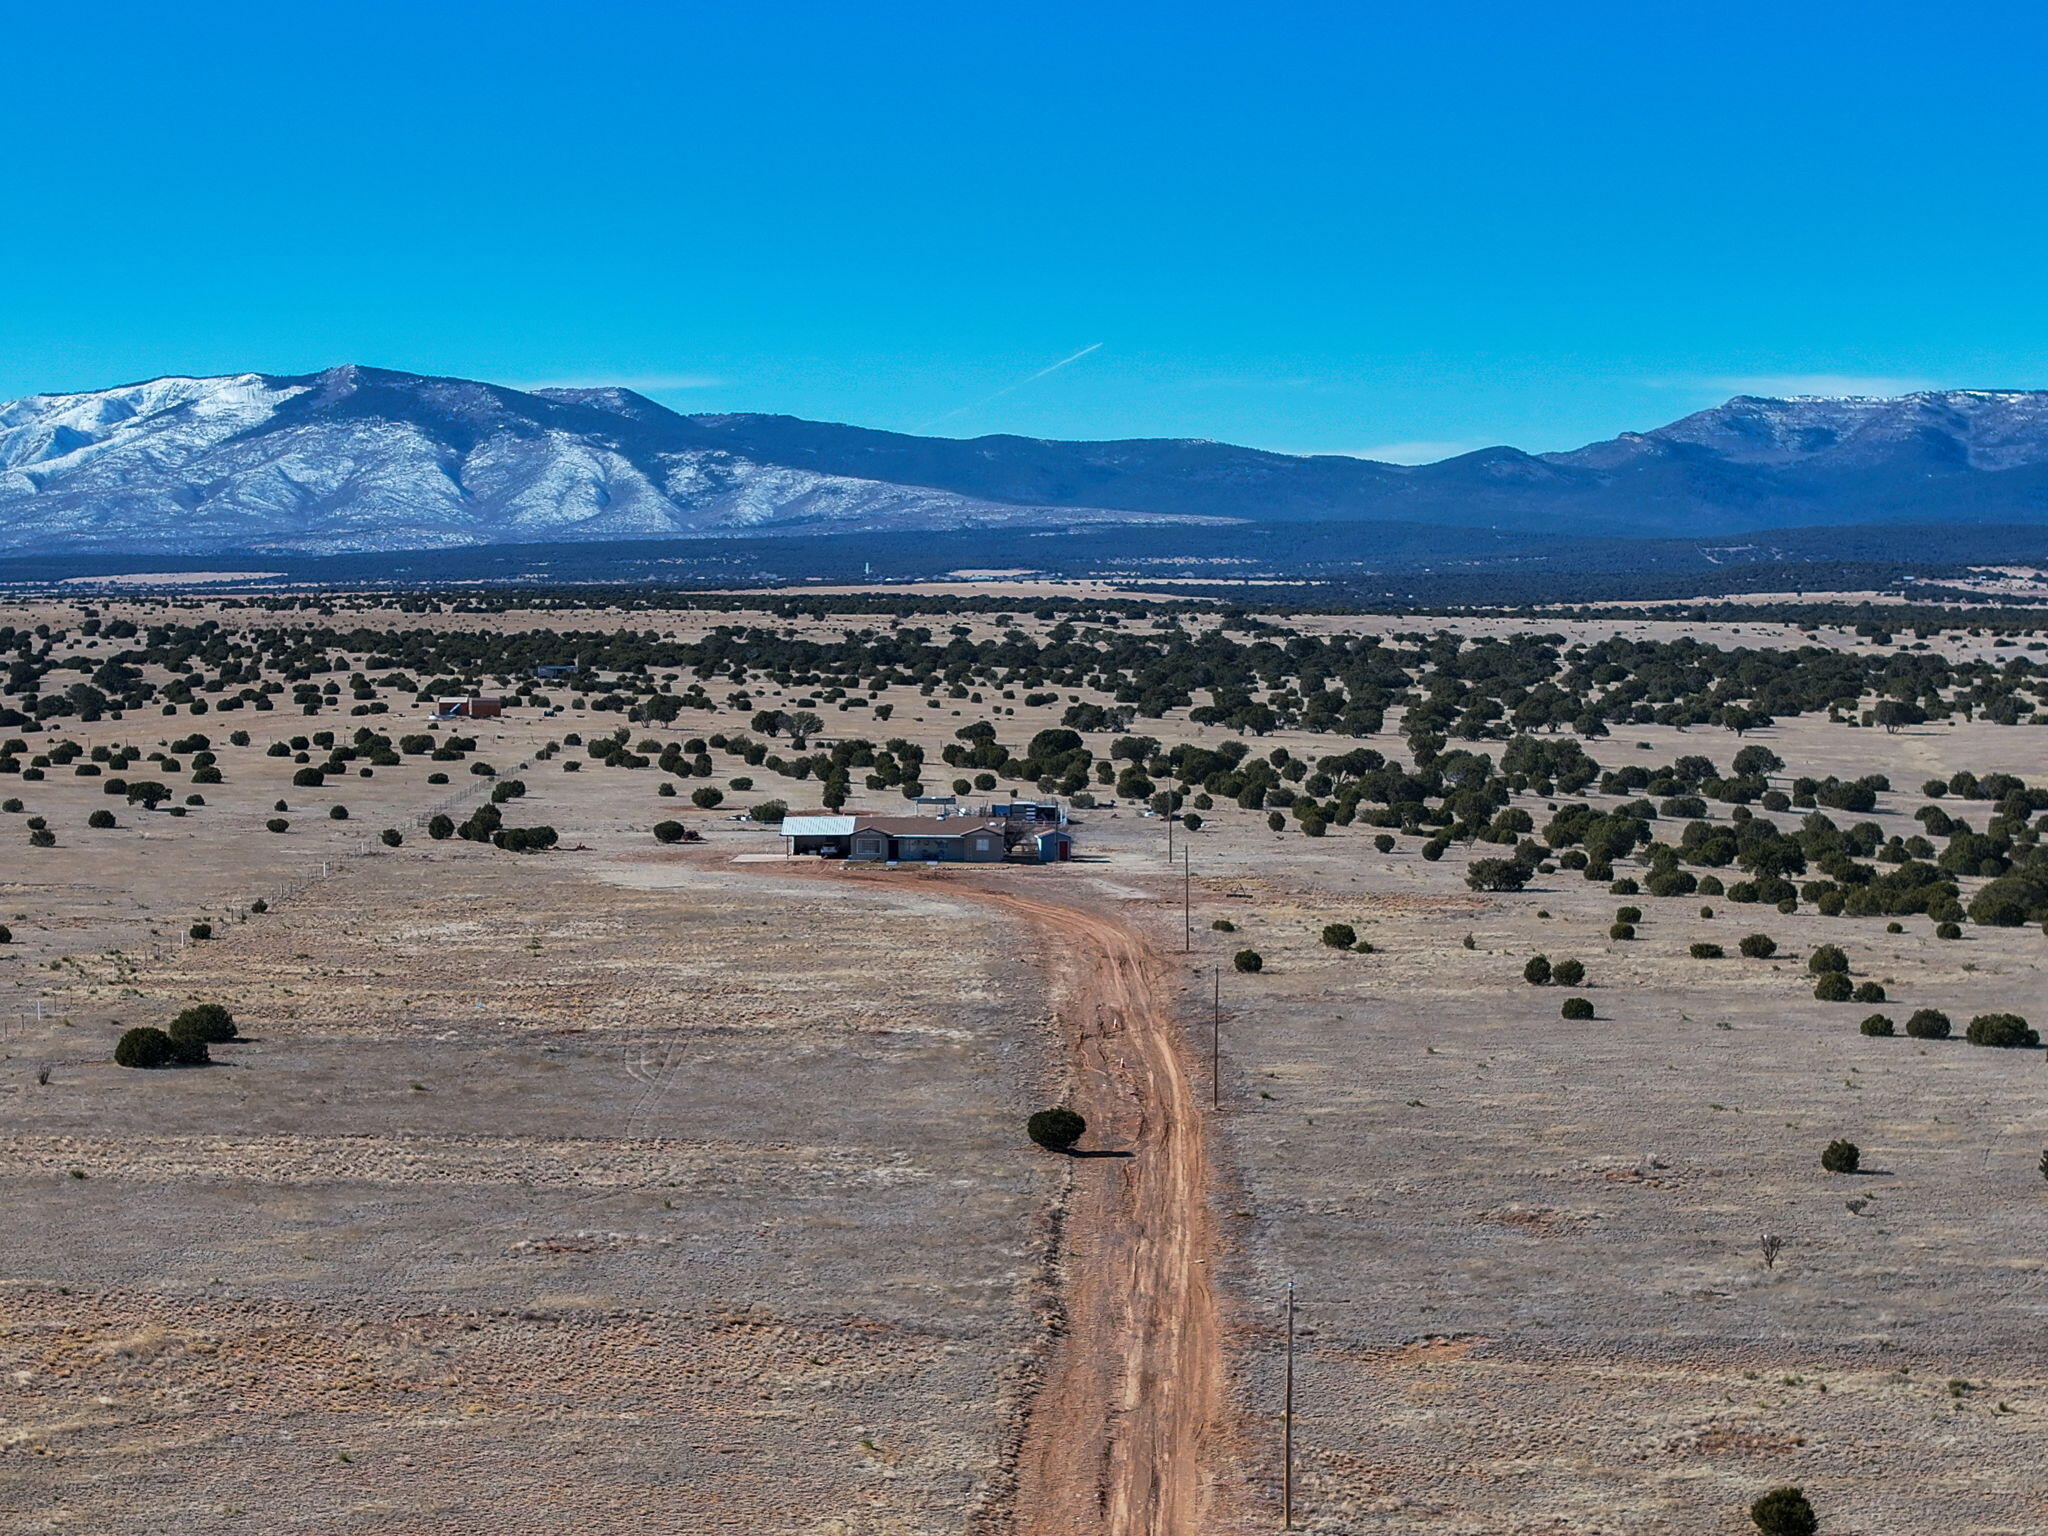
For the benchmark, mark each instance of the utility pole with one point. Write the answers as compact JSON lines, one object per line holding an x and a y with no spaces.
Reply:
{"x":1287,"y":1425}
{"x":1171,"y":818}
{"x":1187,"y":901}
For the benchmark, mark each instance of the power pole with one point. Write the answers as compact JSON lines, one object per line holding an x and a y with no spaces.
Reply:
{"x":1287,"y":1425}
{"x":1187,"y":901}
{"x":1170,"y":820}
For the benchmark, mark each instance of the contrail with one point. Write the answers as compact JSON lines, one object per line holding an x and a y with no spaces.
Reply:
{"x":975,"y":405}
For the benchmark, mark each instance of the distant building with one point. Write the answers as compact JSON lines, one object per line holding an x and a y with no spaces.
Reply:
{"x":568,"y":670}
{"x":1029,"y":811}
{"x":475,"y":707}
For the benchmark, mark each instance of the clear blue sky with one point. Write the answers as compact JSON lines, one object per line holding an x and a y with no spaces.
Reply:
{"x":1327,"y":228}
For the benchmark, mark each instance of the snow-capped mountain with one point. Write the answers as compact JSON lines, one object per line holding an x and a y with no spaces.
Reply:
{"x":364,"y":459}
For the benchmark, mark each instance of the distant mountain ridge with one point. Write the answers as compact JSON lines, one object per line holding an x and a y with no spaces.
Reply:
{"x":368,"y":459}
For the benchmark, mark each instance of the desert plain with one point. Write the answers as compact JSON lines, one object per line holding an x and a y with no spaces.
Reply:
{"x":642,"y":1186}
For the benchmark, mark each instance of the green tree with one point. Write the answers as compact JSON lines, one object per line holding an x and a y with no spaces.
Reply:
{"x":1248,"y":960}
{"x":1537,"y":971}
{"x":391,"y":837}
{"x":706,"y":798}
{"x":1841,"y":1157}
{"x":1577,"y":1008}
{"x":1568,"y":973}
{"x":1339,"y":935}
{"x":668,"y":831}
{"x":440,"y":826}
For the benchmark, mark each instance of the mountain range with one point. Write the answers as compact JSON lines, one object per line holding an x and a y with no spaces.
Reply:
{"x":368,"y":459}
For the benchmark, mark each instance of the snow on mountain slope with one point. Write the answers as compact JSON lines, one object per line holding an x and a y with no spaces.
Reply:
{"x":364,"y":459}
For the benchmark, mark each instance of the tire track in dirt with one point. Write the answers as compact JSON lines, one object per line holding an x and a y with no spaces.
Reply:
{"x":1119,"y":1435}
{"x":1125,"y":1433}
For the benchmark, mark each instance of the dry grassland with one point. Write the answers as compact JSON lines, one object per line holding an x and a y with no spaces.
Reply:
{"x":628,"y":1189}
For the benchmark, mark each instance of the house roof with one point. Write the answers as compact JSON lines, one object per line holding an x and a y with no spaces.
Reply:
{"x":927,"y":826}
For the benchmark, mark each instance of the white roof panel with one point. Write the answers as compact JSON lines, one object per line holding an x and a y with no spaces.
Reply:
{"x":817,"y":826}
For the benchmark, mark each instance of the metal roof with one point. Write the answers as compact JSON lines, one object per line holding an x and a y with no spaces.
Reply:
{"x":817,"y":826}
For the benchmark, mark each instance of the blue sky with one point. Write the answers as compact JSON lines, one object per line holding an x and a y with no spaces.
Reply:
{"x":1391,"y":229}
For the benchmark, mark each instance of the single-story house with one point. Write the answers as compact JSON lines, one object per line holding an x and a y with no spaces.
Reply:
{"x":947,"y":839}
{"x":914,"y":839}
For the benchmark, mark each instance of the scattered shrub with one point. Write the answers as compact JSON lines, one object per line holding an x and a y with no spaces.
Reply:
{"x":1248,"y":960}
{"x":391,"y":837}
{"x":1707,"y":951}
{"x":1784,"y":1512}
{"x":1828,"y":957}
{"x":1497,"y":875}
{"x":1621,"y":930}
{"x":1868,"y":992}
{"x":1339,"y":935}
{"x":337,"y":813}
{"x":1223,"y":925}
{"x":200,"y":931}
{"x":2007,"y":1030}
{"x":1833,"y":987}
{"x":145,"y":1046}
{"x":204,"y":1021}
{"x":1928,"y":1024}
{"x":1759,"y":946}
{"x":668,"y":831}
{"x":1878,"y":1024}
{"x":1383,"y":842}
{"x":1628,"y":914}
{"x":1948,"y":930}
{"x":101,"y":820}
{"x":1537,"y":971}
{"x":1056,"y":1129}
{"x":1577,"y":1008}
{"x":1841,"y":1157}
{"x":1568,"y":973}
{"x":705,"y":798}
{"x":276,"y":824}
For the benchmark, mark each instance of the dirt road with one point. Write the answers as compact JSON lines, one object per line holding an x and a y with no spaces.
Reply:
{"x":1118,"y":1439}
